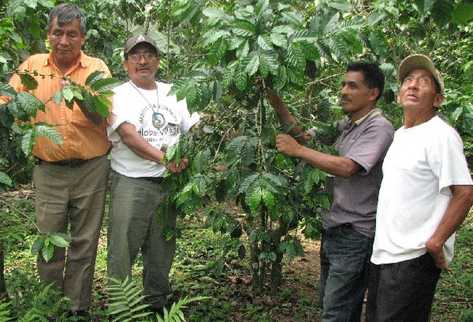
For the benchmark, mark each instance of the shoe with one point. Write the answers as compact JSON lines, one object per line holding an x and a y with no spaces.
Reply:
{"x":80,"y":315}
{"x":157,"y":309}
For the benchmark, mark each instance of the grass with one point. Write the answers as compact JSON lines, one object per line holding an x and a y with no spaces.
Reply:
{"x":209,"y":264}
{"x":454,"y":296}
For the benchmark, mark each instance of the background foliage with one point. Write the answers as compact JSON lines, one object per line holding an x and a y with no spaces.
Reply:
{"x":221,"y":56}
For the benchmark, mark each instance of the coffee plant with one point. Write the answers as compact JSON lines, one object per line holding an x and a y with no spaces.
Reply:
{"x":223,"y":56}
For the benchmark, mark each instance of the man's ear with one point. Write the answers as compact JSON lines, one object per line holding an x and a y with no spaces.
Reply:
{"x":374,"y":94}
{"x":438,"y":100}
{"x":125,"y":65}
{"x":82,"y":40}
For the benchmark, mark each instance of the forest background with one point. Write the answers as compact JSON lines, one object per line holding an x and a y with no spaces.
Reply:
{"x":248,"y":212}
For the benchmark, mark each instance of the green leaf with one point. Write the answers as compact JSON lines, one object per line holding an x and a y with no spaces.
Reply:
{"x":268,"y":199}
{"x":241,"y":80}
{"x":27,"y":141}
{"x":281,"y":79}
{"x":59,"y":240}
{"x":104,"y":84}
{"x":28,"y":81}
{"x":387,"y":68}
{"x":47,"y":251}
{"x":67,"y":93}
{"x":212,"y":36}
{"x":31,"y":3}
{"x":217,"y":51}
{"x":243,"y":50}
{"x":93,"y":77}
{"x":267,"y":257}
{"x":5,"y":179}
{"x":293,"y":18}
{"x":275,"y":180}
{"x":77,"y":91}
{"x":46,"y":3}
{"x":295,"y":57}
{"x":292,"y":247}
{"x":375,"y":17}
{"x":253,"y":65}
{"x":29,"y":104}
{"x":456,"y":114}
{"x":37,"y":245}
{"x":463,"y":13}
{"x":247,"y":183}
{"x":332,"y":24}
{"x":442,"y":12}
{"x":214,"y":13}
{"x":313,"y":178}
{"x":264,"y":42}
{"x":283,"y":29}
{"x":278,"y":39}
{"x":254,"y":199}
{"x":243,"y":28}
{"x":7,"y":90}
{"x":48,"y":131}
{"x":101,"y":105}
{"x":57,"y":98}
{"x":343,"y":6}
{"x":261,"y":8}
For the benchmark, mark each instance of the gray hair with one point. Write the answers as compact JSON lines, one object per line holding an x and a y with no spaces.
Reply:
{"x":66,"y":13}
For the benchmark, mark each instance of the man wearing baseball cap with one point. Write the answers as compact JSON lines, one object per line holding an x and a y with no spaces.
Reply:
{"x":425,"y":195}
{"x":145,"y":120}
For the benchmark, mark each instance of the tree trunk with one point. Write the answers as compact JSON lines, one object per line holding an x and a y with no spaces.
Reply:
{"x":276,"y":273}
{"x":257,"y":282}
{"x":276,"y":267}
{"x":3,"y":288}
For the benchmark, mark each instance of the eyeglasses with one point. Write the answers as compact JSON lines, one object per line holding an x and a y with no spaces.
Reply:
{"x":136,"y":57}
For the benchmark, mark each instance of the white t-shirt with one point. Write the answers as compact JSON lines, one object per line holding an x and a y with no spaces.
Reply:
{"x":421,"y":164}
{"x":160,"y":121}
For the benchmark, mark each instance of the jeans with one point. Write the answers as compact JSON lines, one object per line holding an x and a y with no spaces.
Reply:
{"x":344,"y":261}
{"x":402,"y":292}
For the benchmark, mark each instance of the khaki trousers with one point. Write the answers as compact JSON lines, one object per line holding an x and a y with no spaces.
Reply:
{"x":71,"y":199}
{"x":135,"y":224}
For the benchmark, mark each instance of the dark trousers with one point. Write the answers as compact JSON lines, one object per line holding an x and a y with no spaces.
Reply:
{"x":344,"y":261}
{"x":135,"y":224}
{"x":402,"y":292}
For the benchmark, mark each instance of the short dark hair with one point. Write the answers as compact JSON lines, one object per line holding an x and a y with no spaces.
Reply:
{"x":66,"y":13}
{"x":373,"y":75}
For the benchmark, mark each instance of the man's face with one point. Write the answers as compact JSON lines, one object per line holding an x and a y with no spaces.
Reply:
{"x":66,"y":41}
{"x":355,"y":94}
{"x":418,"y":91}
{"x":142,"y":63}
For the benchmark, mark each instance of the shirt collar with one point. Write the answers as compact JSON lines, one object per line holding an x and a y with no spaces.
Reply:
{"x":82,"y":60}
{"x":373,"y":112}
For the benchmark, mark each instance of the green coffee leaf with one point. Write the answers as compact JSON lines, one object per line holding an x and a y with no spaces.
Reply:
{"x":28,"y":81}
{"x":93,"y":77}
{"x":5,"y":179}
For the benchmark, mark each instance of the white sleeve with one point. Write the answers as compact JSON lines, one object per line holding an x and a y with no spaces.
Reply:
{"x":122,"y":111}
{"x":447,"y":161}
{"x":188,"y":120}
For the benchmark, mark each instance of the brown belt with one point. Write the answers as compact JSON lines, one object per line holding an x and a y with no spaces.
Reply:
{"x":153,"y":179}
{"x":72,"y":163}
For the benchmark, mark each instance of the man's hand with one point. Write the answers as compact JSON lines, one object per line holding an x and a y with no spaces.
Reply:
{"x":287,"y":145}
{"x":435,"y":249}
{"x":177,"y":167}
